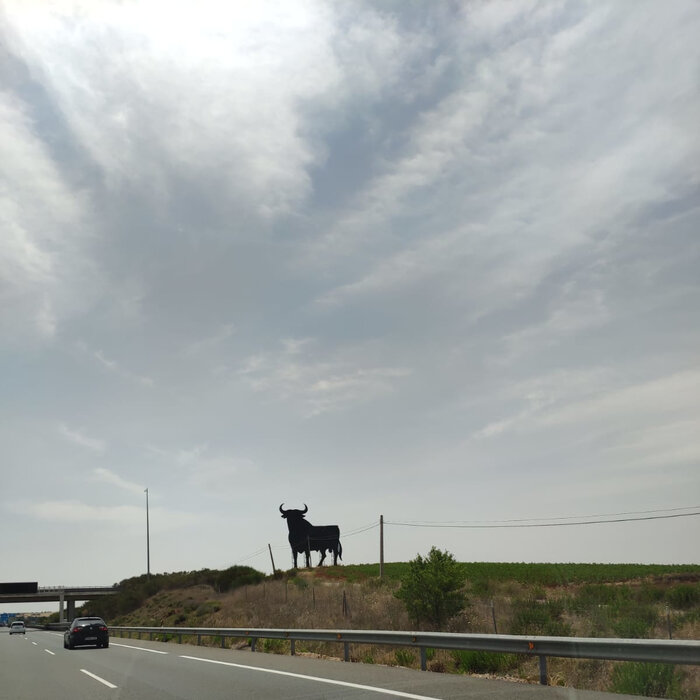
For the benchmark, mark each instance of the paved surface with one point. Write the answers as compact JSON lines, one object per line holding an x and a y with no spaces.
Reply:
{"x":36,"y":666}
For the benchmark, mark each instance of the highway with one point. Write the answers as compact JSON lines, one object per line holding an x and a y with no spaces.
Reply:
{"x":36,"y":666}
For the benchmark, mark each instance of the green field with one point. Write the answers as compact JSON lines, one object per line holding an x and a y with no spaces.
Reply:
{"x":535,"y":574}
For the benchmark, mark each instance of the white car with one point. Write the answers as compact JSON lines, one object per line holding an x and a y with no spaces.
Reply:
{"x":18,"y":628}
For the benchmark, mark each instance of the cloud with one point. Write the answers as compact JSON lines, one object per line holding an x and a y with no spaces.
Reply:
{"x":206,"y":469}
{"x":210,"y":104}
{"x":79,"y":438}
{"x":337,"y":382}
{"x":114,"y":367}
{"x":74,"y":511}
{"x":44,"y":266}
{"x":108,"y":477}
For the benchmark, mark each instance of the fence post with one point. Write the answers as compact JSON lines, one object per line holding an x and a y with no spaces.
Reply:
{"x":543,"y":670}
{"x":493,"y":615}
{"x":345,"y":604}
{"x":668,"y":622}
{"x":423,"y":659}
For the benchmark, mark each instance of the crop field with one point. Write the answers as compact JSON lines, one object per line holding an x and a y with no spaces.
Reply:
{"x":535,"y":574}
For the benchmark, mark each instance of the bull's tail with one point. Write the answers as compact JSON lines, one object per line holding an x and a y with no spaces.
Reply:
{"x":340,"y":550}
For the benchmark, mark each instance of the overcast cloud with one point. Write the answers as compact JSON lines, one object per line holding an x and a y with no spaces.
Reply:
{"x":432,"y":260}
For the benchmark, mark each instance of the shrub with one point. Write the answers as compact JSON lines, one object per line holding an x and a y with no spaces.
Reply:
{"x":536,"y":617}
{"x":650,"y":680}
{"x":482,"y":587}
{"x":683,"y":597}
{"x":431,"y":588}
{"x":274,"y":646}
{"x":207,"y":608}
{"x":404,"y":657}
{"x":635,"y":622}
{"x":483,"y":661}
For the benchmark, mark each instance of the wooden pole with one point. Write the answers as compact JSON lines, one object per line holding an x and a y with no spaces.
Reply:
{"x":271,"y":558}
{"x":381,"y":546}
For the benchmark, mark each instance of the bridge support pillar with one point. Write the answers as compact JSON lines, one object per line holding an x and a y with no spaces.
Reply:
{"x":61,"y":601}
{"x":70,"y":615}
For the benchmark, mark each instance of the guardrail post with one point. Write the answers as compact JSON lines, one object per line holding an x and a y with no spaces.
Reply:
{"x":199,"y":640}
{"x":346,"y":651}
{"x":423,"y":659}
{"x":293,"y":647}
{"x":253,"y":642}
{"x":150,"y":636}
{"x":223,"y":642}
{"x":179,"y":639}
{"x":543,"y":670}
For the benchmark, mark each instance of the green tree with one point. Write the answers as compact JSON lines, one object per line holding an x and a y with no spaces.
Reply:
{"x":431,"y":589}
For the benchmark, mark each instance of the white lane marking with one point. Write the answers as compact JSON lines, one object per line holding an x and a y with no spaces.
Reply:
{"x":34,"y":643}
{"x":128,"y":646}
{"x":49,"y":652}
{"x":386,"y":691}
{"x":97,"y":678}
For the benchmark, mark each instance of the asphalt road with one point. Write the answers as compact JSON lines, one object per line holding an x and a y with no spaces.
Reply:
{"x":36,"y":666}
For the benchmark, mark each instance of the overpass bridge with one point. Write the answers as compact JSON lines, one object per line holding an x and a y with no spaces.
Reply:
{"x":66,"y":596}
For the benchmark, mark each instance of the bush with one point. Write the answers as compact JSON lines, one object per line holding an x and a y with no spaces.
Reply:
{"x":635,"y":622}
{"x":683,"y":597}
{"x":274,"y":646}
{"x":431,"y":588}
{"x":404,"y":657}
{"x":483,"y":661}
{"x":536,"y":617}
{"x":650,"y":680}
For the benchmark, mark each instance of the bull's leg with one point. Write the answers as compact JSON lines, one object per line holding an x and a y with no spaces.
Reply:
{"x":294,"y":554}
{"x":323,"y":557}
{"x":335,"y":556}
{"x":308,"y":559}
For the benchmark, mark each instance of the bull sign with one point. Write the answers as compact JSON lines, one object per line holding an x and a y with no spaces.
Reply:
{"x":305,"y":537}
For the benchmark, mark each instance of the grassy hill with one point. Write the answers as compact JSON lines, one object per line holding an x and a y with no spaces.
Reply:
{"x":591,"y":600}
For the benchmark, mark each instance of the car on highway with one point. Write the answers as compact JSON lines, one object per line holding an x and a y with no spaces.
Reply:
{"x":18,"y":628}
{"x":86,"y":631}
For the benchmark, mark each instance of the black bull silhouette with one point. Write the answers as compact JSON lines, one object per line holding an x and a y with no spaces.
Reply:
{"x":305,"y":537}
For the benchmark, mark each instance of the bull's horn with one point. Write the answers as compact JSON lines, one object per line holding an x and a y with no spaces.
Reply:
{"x":306,"y":508}
{"x":281,"y":511}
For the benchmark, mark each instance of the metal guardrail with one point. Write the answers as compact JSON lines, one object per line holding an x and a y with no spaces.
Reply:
{"x":669,"y":651}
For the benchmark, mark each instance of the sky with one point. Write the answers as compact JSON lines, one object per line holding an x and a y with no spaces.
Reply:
{"x":432,"y":261}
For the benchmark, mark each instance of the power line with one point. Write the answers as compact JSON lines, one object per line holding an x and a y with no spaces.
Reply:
{"x":565,"y":517}
{"x":251,"y":556}
{"x":563,"y":524}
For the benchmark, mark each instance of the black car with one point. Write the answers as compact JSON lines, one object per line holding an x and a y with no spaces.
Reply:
{"x":86,"y":631}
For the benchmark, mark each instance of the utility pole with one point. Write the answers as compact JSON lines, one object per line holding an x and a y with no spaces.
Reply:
{"x":148,"y":540}
{"x":381,"y":546}
{"x":271,"y":559}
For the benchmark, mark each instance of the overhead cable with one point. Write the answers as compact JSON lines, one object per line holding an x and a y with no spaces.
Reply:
{"x":561,"y":524}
